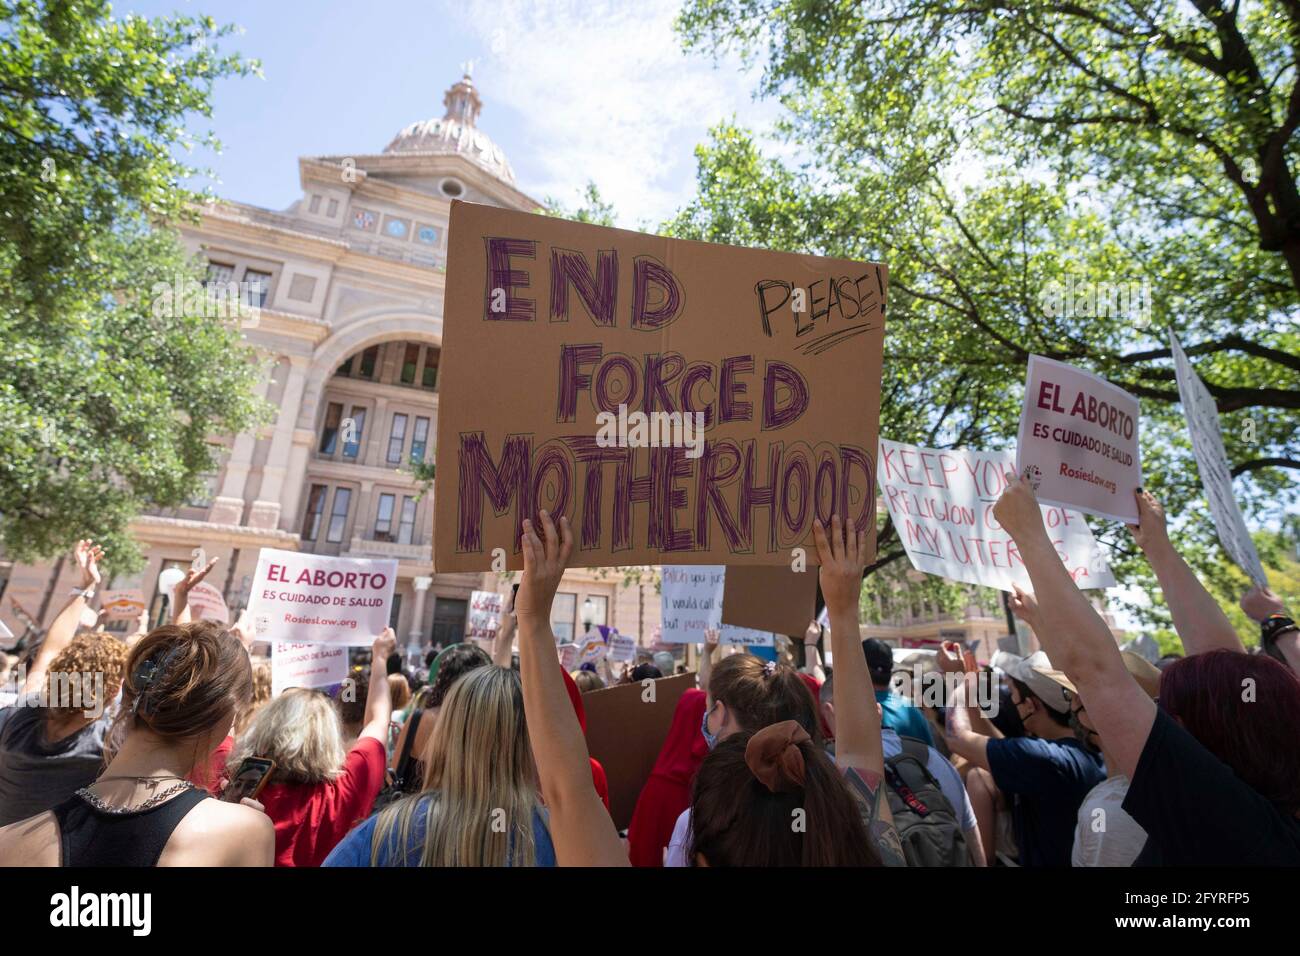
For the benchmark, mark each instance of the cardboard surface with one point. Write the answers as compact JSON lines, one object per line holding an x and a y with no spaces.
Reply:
{"x":1078,"y":442}
{"x":773,"y":599}
{"x":625,"y":733}
{"x":941,"y":502}
{"x":563,"y":343}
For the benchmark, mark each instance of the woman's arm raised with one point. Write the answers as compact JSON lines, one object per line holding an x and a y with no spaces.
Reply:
{"x":379,"y":702}
{"x":581,"y":828}
{"x":1075,"y":637}
{"x":63,"y":629}
{"x":1200,"y":622}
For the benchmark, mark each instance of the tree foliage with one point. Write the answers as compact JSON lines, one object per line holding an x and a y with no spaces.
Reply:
{"x":994,"y":154}
{"x":107,"y":400}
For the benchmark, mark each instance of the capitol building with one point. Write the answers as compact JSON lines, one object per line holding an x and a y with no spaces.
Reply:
{"x":349,"y":284}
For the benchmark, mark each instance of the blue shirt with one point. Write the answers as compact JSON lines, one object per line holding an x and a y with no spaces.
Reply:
{"x":354,"y":849}
{"x":903,"y":717}
{"x":1046,"y":781}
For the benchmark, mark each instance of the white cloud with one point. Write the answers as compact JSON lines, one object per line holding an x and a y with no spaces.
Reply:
{"x":608,"y":96}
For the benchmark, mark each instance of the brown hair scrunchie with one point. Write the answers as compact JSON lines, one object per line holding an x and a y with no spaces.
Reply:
{"x":774,"y":758}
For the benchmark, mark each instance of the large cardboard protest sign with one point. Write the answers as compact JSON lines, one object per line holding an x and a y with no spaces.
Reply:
{"x":316,"y":599}
{"x":626,"y":728}
{"x":306,"y":665}
{"x":1212,"y":461}
{"x":1079,"y":441}
{"x":692,"y":601}
{"x":941,"y":502}
{"x":484,"y":616}
{"x":678,"y":401}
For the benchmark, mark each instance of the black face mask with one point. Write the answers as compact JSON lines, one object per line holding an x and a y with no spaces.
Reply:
{"x":1083,"y":734}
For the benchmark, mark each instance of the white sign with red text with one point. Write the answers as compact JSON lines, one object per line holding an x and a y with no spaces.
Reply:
{"x":941,"y":502}
{"x":208,"y":604}
{"x":484,"y":615}
{"x":1078,"y":441}
{"x":306,"y":665}
{"x":316,"y":599}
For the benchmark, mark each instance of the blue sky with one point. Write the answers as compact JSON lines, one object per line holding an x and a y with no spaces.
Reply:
{"x":571,"y":91}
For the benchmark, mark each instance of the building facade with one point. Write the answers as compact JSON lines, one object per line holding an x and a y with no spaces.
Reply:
{"x":348,"y":287}
{"x":348,"y":283}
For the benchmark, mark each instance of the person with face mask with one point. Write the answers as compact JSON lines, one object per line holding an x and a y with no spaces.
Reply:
{"x":746,"y":694}
{"x":1105,"y":834}
{"x":1044,"y":776}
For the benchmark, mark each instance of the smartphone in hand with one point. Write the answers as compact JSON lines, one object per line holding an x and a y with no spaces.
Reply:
{"x":249,"y":780}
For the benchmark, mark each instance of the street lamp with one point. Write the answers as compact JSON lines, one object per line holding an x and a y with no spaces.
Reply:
{"x":588,"y":615}
{"x":167,"y":581}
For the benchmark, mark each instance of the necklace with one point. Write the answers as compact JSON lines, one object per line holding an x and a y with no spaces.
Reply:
{"x":93,"y":799}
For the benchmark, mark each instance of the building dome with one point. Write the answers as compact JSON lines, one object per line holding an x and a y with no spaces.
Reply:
{"x":456,"y":133}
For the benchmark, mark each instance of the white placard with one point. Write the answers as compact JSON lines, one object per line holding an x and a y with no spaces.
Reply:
{"x":1078,"y":442}
{"x":206,"y":603}
{"x":1212,"y":461}
{"x":315,"y":599}
{"x":484,"y":616}
{"x":126,"y":604}
{"x":622,"y":648}
{"x":692,"y":602}
{"x":941,"y":502}
{"x":306,"y":665}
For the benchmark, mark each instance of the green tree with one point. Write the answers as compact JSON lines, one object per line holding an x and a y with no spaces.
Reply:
{"x":592,"y":208}
{"x":994,"y":153}
{"x":109,"y":393}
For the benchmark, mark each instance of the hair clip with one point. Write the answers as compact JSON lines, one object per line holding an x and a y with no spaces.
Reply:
{"x":147,"y":673}
{"x":769,"y":668}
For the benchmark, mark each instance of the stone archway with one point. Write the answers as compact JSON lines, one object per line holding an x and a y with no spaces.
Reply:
{"x":358,"y":334}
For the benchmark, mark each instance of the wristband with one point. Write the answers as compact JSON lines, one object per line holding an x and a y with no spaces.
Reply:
{"x":1273,"y":625}
{"x":86,"y":593}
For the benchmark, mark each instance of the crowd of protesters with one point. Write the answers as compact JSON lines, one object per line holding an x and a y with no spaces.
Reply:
{"x":1095,"y":758}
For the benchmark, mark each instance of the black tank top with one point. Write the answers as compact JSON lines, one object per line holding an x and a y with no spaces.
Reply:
{"x":90,"y":837}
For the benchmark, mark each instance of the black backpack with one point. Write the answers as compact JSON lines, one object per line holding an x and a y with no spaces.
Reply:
{"x":927,"y":823}
{"x":404,"y":780}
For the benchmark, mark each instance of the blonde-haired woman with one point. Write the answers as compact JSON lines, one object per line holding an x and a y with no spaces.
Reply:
{"x":261,"y":695}
{"x":318,"y":790}
{"x":479,"y":805}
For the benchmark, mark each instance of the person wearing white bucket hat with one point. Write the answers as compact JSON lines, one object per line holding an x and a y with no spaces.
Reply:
{"x":1044,"y":776}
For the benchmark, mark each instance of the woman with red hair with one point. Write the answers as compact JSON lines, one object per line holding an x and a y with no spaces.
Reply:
{"x":1214,"y":769}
